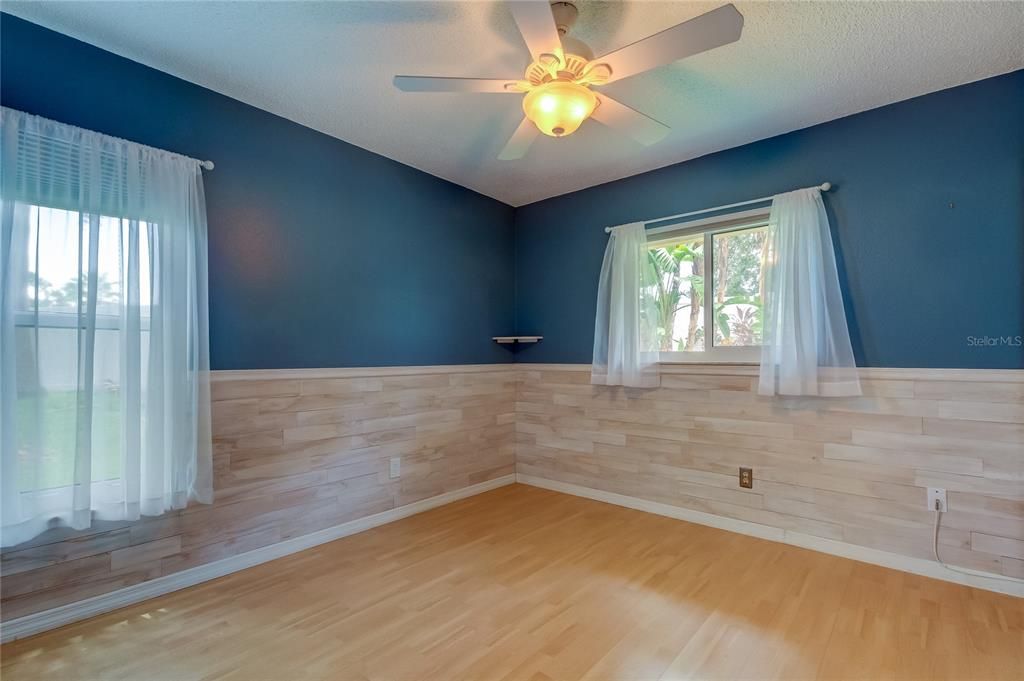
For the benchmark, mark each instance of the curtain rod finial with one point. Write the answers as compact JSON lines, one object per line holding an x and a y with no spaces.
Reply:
{"x":206,"y":165}
{"x":825,"y":186}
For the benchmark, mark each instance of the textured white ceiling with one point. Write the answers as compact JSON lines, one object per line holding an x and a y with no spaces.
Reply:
{"x":328,"y":65}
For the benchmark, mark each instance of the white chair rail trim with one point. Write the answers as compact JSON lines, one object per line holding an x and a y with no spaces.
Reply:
{"x":669,"y":368}
{"x":355,"y":372}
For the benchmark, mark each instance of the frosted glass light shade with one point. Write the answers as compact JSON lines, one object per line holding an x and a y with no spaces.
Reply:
{"x":559,"y":107}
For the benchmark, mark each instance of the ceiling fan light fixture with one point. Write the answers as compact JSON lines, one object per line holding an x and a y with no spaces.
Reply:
{"x":559,"y":108}
{"x":557,"y":81}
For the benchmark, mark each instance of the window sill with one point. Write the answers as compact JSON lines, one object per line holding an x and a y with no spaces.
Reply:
{"x":710,"y":368}
{"x":742,"y":356}
{"x":707,"y":362}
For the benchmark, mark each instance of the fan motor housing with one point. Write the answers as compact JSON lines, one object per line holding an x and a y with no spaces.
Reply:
{"x":571,"y":68}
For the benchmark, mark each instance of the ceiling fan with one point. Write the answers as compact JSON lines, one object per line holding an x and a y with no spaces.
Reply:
{"x":557,"y":85}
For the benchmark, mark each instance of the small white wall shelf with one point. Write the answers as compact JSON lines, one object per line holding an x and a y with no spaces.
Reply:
{"x":507,"y":340}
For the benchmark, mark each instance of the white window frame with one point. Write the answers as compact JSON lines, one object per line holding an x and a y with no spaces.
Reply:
{"x":709,"y":228}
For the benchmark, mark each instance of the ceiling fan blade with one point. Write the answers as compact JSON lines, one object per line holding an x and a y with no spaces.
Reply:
{"x":716,"y":28}
{"x":536,"y":23}
{"x":520,"y":141}
{"x":443,"y":84}
{"x":640,"y":127}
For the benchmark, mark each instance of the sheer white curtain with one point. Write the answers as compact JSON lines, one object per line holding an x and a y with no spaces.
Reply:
{"x":625,"y":338}
{"x":806,"y":348}
{"x":104,"y":352}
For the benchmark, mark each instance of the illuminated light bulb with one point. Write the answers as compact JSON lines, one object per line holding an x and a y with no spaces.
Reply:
{"x":559,"y":107}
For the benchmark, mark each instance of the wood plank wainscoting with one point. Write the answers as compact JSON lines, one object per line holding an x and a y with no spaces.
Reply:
{"x":302,"y":454}
{"x":852,"y":470}
{"x":295,"y":451}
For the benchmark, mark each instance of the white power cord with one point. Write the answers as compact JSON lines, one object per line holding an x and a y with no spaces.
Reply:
{"x":973,"y":573}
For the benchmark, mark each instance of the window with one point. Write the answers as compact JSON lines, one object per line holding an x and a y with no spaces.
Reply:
{"x":104,"y":402}
{"x":49,"y":314}
{"x":710,"y":290}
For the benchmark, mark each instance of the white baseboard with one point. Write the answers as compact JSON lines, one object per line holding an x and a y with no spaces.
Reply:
{"x":97,"y":605}
{"x":917,"y":566}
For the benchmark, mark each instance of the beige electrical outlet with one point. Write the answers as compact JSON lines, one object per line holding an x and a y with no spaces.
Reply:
{"x":747,"y":477}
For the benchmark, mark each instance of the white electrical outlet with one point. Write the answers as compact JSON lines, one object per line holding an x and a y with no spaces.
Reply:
{"x":395,"y":470}
{"x":937,"y":494}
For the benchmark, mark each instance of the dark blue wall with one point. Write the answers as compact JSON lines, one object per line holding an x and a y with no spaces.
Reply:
{"x":322,"y":254}
{"x":927,"y":216}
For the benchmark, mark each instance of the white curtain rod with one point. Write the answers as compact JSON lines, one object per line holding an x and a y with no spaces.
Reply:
{"x":205,"y":165}
{"x":824,"y":186}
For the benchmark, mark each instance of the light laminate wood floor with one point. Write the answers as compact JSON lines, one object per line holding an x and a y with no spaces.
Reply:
{"x":524,"y":583}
